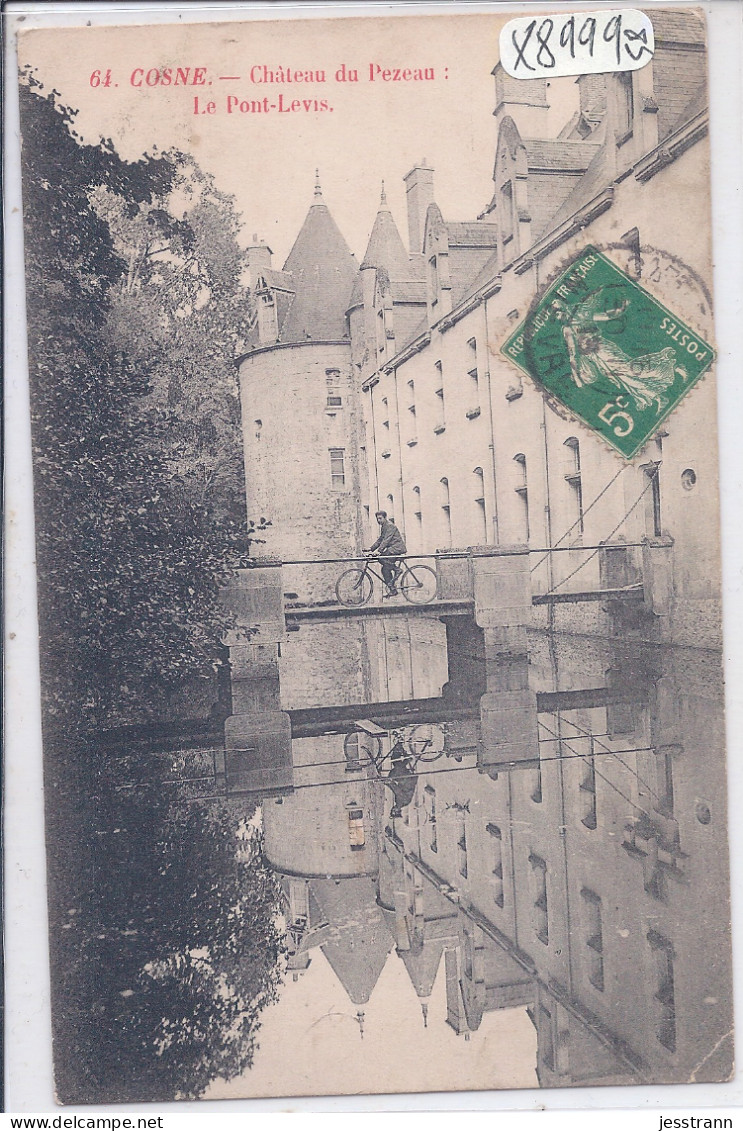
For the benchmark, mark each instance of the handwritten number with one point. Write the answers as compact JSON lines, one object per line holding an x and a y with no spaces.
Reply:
{"x":520,"y":57}
{"x":567,"y":36}
{"x":545,"y":44}
{"x":613,"y":31}
{"x":543,"y":41}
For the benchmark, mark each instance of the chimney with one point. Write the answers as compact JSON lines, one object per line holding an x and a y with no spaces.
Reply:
{"x":259,"y":258}
{"x":524,"y":100}
{"x":419,"y":189}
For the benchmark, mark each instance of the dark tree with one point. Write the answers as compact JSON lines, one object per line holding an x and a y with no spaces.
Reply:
{"x":170,"y":955}
{"x":138,"y":504}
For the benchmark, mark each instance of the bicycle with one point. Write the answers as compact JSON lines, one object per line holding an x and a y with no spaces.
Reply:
{"x":417,"y":583}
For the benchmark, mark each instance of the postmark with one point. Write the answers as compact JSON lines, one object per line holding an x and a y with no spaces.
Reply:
{"x":604,"y":347}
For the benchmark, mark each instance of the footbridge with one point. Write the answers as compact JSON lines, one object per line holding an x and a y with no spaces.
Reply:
{"x":483,"y":597}
{"x":495,"y":584}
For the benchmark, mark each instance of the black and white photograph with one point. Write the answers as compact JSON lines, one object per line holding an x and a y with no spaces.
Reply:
{"x":373,"y":411}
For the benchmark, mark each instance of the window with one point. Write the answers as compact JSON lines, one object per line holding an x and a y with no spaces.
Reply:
{"x":523,"y":493}
{"x":429,"y":804}
{"x":496,"y":848}
{"x":440,"y":418}
{"x":267,"y":323}
{"x":337,"y":467}
{"x":356,"y":835}
{"x":418,"y":510}
{"x":473,"y":384}
{"x":506,"y":198}
{"x":653,"y":521}
{"x":664,"y":778}
{"x":594,"y":939}
{"x":412,"y":421}
{"x":540,"y":915}
{"x":462,"y":843}
{"x":665,"y":994}
{"x":446,"y":509}
{"x":433,"y":279}
{"x":536,"y":784}
{"x":626,"y":107}
{"x":588,"y":791}
{"x":480,"y":516}
{"x":333,"y":397}
{"x":574,"y":482}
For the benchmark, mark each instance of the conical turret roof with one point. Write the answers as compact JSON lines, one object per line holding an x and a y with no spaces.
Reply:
{"x":323,"y":270}
{"x":385,"y":247}
{"x":357,"y":942}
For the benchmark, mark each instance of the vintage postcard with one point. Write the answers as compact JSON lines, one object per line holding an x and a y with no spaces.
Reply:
{"x":372,"y":385}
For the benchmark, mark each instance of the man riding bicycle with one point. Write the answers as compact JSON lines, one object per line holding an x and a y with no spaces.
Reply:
{"x":389,"y":548}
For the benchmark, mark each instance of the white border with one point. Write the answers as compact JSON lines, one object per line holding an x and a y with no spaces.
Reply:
{"x":27,"y":1032}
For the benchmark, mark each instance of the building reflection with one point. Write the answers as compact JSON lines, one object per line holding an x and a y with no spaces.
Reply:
{"x":582,"y":879}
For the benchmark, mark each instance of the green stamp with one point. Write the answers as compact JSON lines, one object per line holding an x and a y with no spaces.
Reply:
{"x":606,"y":349}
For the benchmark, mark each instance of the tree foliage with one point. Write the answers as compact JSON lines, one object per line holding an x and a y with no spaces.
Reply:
{"x":133,"y":290}
{"x":171,"y":954}
{"x":164,"y":915}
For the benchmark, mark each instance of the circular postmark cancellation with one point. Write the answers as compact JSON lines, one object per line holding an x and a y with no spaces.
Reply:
{"x":599,"y":344}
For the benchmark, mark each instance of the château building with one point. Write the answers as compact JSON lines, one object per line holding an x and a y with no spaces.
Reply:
{"x":383,"y":386}
{"x":566,"y":887}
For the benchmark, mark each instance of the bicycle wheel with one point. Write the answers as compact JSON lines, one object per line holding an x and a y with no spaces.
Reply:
{"x":354,"y":588}
{"x":419,"y":584}
{"x":426,"y":742}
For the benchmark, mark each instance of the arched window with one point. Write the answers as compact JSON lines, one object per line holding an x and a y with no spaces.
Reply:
{"x":439,"y":407}
{"x":626,"y":105}
{"x":575,"y":484}
{"x":480,"y":516}
{"x":446,"y":509}
{"x":412,"y":421}
{"x":418,"y":511}
{"x":522,"y":491}
{"x":473,"y":390}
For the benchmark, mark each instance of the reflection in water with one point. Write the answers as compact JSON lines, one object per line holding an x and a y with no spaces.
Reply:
{"x":535,"y":826}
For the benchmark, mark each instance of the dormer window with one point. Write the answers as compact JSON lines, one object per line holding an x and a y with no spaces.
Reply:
{"x":267,"y":321}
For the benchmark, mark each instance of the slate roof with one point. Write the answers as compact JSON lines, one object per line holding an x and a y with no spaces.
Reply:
{"x":677,"y":26}
{"x":694,"y":106}
{"x":473,"y":233}
{"x":385,"y":247}
{"x":276,"y":280}
{"x":590,"y":184}
{"x":323,"y":270}
{"x":571,"y":156}
{"x":486,"y":272}
{"x":423,"y":965}
{"x":358,"y":941}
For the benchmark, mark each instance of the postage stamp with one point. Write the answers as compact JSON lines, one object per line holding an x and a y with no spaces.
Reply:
{"x":609,"y":351}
